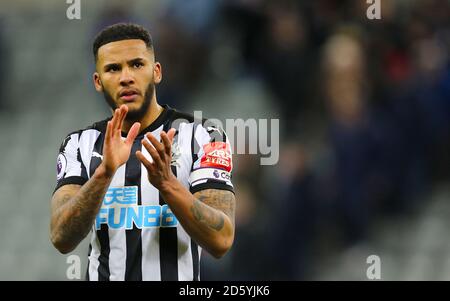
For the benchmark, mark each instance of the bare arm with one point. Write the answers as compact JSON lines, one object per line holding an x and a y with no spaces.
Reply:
{"x":74,"y":207}
{"x":222,"y":201}
{"x":73,"y":211}
{"x":207,"y":216}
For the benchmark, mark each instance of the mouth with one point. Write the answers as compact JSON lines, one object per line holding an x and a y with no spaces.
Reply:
{"x":128,"y":95}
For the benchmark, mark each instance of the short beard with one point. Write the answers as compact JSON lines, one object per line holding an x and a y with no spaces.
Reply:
{"x":134,"y":115}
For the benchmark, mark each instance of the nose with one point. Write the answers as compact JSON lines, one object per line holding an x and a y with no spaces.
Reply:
{"x":126,"y":77}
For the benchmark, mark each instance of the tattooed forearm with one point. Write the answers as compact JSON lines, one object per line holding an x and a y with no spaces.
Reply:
{"x":209,"y":206}
{"x":73,"y":212}
{"x":207,"y":215}
{"x":81,"y":209}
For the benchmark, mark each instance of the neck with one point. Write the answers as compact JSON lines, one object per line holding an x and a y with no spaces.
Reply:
{"x":152,"y":114}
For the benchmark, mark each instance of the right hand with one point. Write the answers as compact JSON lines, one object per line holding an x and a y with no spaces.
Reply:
{"x":116,"y":151}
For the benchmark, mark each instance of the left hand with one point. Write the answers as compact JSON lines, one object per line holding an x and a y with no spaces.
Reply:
{"x":159,"y":171}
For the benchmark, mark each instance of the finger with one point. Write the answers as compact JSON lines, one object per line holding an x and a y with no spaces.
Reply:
{"x":123,"y":114}
{"x":152,"y":151}
{"x":167,"y":143}
{"x":157,"y":145}
{"x":171,"y":133}
{"x":114,"y":119}
{"x":108,"y":132}
{"x":123,"y":108}
{"x":132,"y":133}
{"x":148,"y":165}
{"x":113,"y":123}
{"x":117,"y":132}
{"x":118,"y":126}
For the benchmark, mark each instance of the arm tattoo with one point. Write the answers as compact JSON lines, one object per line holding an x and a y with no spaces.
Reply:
{"x":207,"y":215}
{"x":75,"y":212}
{"x":210,"y":205}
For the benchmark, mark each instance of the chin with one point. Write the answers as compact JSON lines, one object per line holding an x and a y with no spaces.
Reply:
{"x":133,"y":106}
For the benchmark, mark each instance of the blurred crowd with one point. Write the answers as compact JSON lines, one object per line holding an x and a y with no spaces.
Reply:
{"x":364,"y":107}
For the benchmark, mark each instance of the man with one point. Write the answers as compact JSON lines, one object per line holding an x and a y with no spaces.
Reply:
{"x":153,"y":195}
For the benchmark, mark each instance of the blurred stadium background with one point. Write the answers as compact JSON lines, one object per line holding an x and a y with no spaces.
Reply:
{"x":364,"y":106}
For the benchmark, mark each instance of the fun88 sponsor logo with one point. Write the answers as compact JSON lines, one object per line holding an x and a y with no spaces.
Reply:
{"x":120,"y":211}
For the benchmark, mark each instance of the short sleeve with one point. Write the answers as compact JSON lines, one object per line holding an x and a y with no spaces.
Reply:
{"x":212,"y":164}
{"x":69,"y":166}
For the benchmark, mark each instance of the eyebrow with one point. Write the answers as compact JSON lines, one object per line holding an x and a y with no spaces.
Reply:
{"x":136,"y":60}
{"x":110,"y":66}
{"x":117,"y":65}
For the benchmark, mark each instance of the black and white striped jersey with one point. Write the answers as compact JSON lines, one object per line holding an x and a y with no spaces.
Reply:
{"x":135,"y":235}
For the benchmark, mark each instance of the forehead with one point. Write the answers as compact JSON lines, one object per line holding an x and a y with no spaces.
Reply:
{"x":122,"y":51}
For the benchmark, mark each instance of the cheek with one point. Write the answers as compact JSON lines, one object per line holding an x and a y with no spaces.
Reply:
{"x":108,"y":89}
{"x":107,"y":82}
{"x":146,"y":78}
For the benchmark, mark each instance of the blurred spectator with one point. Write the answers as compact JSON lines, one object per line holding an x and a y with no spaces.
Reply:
{"x":431,"y":93}
{"x":294,"y":216}
{"x":352,"y":134}
{"x":286,"y":58}
{"x":183,"y":61}
{"x":182,"y":43}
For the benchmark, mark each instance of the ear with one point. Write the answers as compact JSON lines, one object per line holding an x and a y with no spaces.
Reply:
{"x":97,"y":82}
{"x":157,"y":73}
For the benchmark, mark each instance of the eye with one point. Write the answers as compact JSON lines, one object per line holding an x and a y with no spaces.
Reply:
{"x":113,"y":69}
{"x":138,"y":65}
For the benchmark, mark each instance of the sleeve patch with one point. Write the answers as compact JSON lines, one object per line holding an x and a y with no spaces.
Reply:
{"x":61,"y":164}
{"x":216,"y":155}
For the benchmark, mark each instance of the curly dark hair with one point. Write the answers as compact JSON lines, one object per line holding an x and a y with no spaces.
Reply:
{"x":121,"y":31}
